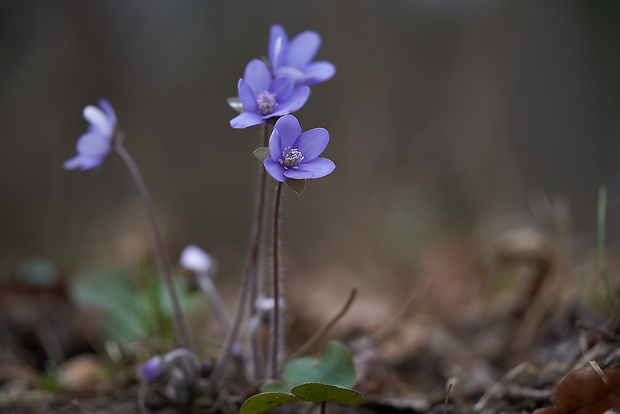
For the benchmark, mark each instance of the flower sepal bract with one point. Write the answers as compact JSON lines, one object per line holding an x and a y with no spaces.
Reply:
{"x":298,"y":186}
{"x":235,"y":103}
{"x":262,"y":153}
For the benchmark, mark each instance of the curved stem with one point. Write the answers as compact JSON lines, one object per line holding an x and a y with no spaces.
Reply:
{"x":182,"y":332}
{"x":318,"y":335}
{"x":248,"y":278}
{"x":275,"y":333}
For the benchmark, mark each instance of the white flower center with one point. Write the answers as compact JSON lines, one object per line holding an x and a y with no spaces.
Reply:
{"x":291,"y":157}
{"x":266,"y":102}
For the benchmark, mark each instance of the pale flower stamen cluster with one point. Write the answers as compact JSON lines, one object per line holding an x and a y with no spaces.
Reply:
{"x":290,"y":158}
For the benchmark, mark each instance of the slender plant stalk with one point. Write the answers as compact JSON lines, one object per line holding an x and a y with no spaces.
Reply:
{"x":275,"y":333}
{"x":215,"y":300}
{"x":180,"y":325}
{"x":248,"y":277}
{"x":602,"y":211}
{"x":318,"y":335}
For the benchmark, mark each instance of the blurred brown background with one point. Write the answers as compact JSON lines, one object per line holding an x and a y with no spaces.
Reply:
{"x":443,"y":115}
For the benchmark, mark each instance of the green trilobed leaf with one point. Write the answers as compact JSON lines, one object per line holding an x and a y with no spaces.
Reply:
{"x":262,"y":153}
{"x":334,"y":367}
{"x":317,"y":393}
{"x":235,"y":103}
{"x":265,"y":401}
{"x":296,"y":185}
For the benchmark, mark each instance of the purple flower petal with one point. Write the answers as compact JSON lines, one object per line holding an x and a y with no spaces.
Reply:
{"x":296,"y":100}
{"x":274,"y":169}
{"x":317,"y":72}
{"x":282,"y":86}
{"x":298,"y":174}
{"x":257,"y":76}
{"x":245,"y":120}
{"x":302,"y":49}
{"x":312,"y":143}
{"x":82,"y":162}
{"x":97,"y":119}
{"x":92,"y":144}
{"x":275,"y":145}
{"x":297,"y":75}
{"x":320,"y":167}
{"x":107,"y":108}
{"x":289,"y":129}
{"x":278,"y":42}
{"x":246,"y":96}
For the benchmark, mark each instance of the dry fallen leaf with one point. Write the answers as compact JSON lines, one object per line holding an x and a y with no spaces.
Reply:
{"x":584,"y":391}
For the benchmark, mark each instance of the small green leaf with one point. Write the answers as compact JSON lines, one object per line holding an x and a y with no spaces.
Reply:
{"x":317,"y":393}
{"x":296,"y":185}
{"x":334,"y":367}
{"x":235,"y":103}
{"x":262,"y":153}
{"x":265,"y":401}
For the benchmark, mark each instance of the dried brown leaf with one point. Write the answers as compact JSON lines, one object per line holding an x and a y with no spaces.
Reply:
{"x":584,"y":391}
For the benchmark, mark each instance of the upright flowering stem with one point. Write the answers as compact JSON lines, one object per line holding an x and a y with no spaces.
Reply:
{"x":275,"y":327}
{"x":249,"y":285}
{"x":160,"y":249}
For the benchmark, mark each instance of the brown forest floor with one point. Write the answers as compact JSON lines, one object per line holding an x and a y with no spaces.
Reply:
{"x":485,"y":331}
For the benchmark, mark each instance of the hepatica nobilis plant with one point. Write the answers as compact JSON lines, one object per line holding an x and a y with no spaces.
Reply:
{"x":269,"y":92}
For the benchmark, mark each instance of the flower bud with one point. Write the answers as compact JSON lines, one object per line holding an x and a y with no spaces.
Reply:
{"x":196,"y":259}
{"x":154,"y":370}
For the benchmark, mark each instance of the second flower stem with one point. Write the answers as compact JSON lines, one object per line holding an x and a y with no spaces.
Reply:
{"x":161,"y":253}
{"x":249,"y":278}
{"x":275,"y":332}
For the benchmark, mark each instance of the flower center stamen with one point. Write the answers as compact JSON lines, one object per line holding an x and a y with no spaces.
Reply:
{"x":290,"y":158}
{"x":266,"y":102}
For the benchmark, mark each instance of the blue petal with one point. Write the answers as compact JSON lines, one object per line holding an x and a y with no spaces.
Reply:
{"x":107,"y":108}
{"x":298,"y":98}
{"x":92,"y":144}
{"x":98,"y":120}
{"x":317,"y":72}
{"x":257,"y":76}
{"x":298,"y":174}
{"x":302,"y":49}
{"x":82,"y":162}
{"x":247,"y":97}
{"x":298,"y":75}
{"x":312,"y":143}
{"x":275,"y":145}
{"x":274,"y":169}
{"x":320,"y":167}
{"x":289,"y":129}
{"x":278,"y":42}
{"x":245,"y":120}
{"x":282,"y":86}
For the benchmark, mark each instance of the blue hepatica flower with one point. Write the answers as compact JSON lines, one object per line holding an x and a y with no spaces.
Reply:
{"x":294,"y":154}
{"x":264,"y":97}
{"x":295,"y":57}
{"x":94,"y":145}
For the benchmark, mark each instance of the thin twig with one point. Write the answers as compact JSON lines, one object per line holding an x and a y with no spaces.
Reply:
{"x":607,"y":334}
{"x":318,"y":335}
{"x":389,"y":328}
